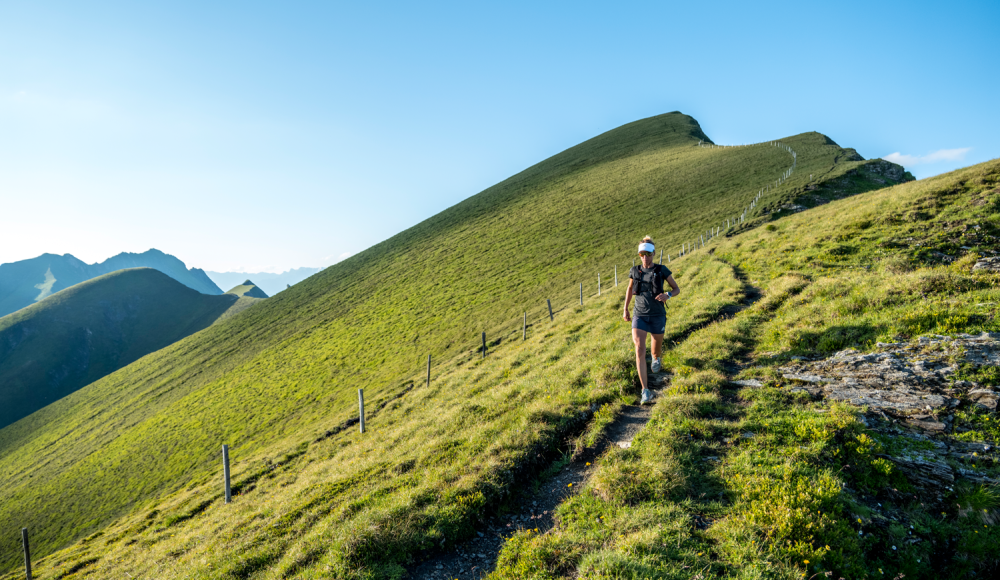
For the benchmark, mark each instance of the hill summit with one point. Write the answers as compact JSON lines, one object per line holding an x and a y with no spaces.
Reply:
{"x":78,"y":335}
{"x":248,"y":289}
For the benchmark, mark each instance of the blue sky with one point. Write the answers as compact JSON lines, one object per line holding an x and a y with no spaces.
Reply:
{"x":260,"y":136}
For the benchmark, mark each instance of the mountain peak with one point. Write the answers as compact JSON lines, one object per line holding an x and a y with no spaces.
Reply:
{"x":248,"y":289}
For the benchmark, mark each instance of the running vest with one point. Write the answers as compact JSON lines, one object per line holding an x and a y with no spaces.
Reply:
{"x":646,"y":286}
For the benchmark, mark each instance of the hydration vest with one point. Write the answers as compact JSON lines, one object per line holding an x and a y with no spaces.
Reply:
{"x":648,"y":283}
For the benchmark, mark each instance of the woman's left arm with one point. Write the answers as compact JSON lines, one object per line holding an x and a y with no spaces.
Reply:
{"x":673,"y":286}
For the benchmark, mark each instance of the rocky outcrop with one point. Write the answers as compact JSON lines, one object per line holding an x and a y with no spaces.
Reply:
{"x":880,"y":170}
{"x":909,"y":381}
{"x":987,"y":265}
{"x":910,"y":391}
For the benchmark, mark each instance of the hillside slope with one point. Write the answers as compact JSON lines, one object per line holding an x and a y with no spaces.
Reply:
{"x":25,"y":282}
{"x":768,"y":479}
{"x":76,"y":336}
{"x":289,"y":368}
{"x":845,"y":426}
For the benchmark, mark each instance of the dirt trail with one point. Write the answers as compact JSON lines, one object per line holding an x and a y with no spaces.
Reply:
{"x":477,"y":557}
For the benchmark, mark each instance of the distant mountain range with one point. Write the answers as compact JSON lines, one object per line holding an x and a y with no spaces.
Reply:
{"x":74,"y":337}
{"x":269,"y":283}
{"x":26,"y":282}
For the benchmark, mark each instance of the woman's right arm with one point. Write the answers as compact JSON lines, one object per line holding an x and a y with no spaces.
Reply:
{"x":628,"y":298}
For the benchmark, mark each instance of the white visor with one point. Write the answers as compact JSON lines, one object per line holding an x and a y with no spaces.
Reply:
{"x":647,"y":247}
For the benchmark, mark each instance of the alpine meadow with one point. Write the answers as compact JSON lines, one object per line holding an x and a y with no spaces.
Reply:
{"x":751,"y":466}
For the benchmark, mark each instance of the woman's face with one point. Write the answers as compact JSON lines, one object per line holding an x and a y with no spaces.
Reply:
{"x":647,"y":259}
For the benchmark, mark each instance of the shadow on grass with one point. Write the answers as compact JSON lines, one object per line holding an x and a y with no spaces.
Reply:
{"x":837,"y":338}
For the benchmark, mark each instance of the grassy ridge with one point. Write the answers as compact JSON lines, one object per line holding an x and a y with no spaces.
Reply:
{"x":289,"y":367}
{"x":764,"y":483}
{"x":78,"y":335}
{"x":342,"y":505}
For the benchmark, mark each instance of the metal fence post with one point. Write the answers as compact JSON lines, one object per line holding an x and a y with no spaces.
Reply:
{"x":27,"y":553}
{"x":598,"y":284}
{"x":549,"y":302}
{"x":361,"y":409}
{"x":428,"y":370}
{"x":581,"y":293}
{"x":225,"y":473}
{"x":616,"y":275}
{"x":524,"y":328}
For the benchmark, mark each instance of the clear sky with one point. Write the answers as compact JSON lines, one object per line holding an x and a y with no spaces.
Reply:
{"x":262,"y":136}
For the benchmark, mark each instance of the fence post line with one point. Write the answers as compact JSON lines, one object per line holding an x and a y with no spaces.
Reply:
{"x":361,"y":409}
{"x":524,"y":328}
{"x":225,"y":473}
{"x":484,"y":344}
{"x":661,"y":257}
{"x":27,"y":553}
{"x":428,"y":370}
{"x":549,"y":302}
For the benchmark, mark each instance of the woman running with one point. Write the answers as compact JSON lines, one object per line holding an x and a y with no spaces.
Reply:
{"x":650,"y":316}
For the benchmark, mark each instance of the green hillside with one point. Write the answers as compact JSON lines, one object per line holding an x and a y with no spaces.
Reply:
{"x":78,"y":335}
{"x":281,"y":374}
{"x":248,"y":294}
{"x":738,"y":482}
{"x":776,"y":481}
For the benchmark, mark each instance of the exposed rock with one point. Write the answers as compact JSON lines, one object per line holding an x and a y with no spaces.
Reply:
{"x":904,"y":379}
{"x":748,"y":383}
{"x":927,"y":423}
{"x":985,"y":398}
{"x":912,"y":384}
{"x":807,"y":378}
{"x":926,"y":475}
{"x":987,"y":265}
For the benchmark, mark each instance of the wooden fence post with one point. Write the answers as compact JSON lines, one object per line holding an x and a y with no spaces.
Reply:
{"x":549,"y":302}
{"x":524,"y":328}
{"x":616,"y":275}
{"x":598,"y":284}
{"x":661,"y":257}
{"x":581,"y":293}
{"x":361,"y":409}
{"x":27,"y":553}
{"x":484,"y":344}
{"x":428,"y":370}
{"x":225,"y":473}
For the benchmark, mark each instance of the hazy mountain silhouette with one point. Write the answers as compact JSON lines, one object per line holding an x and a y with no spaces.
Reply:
{"x":25,"y":282}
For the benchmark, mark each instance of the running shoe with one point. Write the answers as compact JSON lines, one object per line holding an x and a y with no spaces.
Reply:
{"x":657,"y":365}
{"x":647,"y":397}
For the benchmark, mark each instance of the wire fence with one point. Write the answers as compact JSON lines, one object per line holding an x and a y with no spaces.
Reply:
{"x":733,"y":223}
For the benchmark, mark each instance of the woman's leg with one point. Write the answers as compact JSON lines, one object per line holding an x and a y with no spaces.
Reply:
{"x":639,"y":338}
{"x":657,"y":345}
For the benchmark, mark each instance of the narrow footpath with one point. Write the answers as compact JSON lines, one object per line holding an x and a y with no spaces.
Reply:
{"x":474,"y":559}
